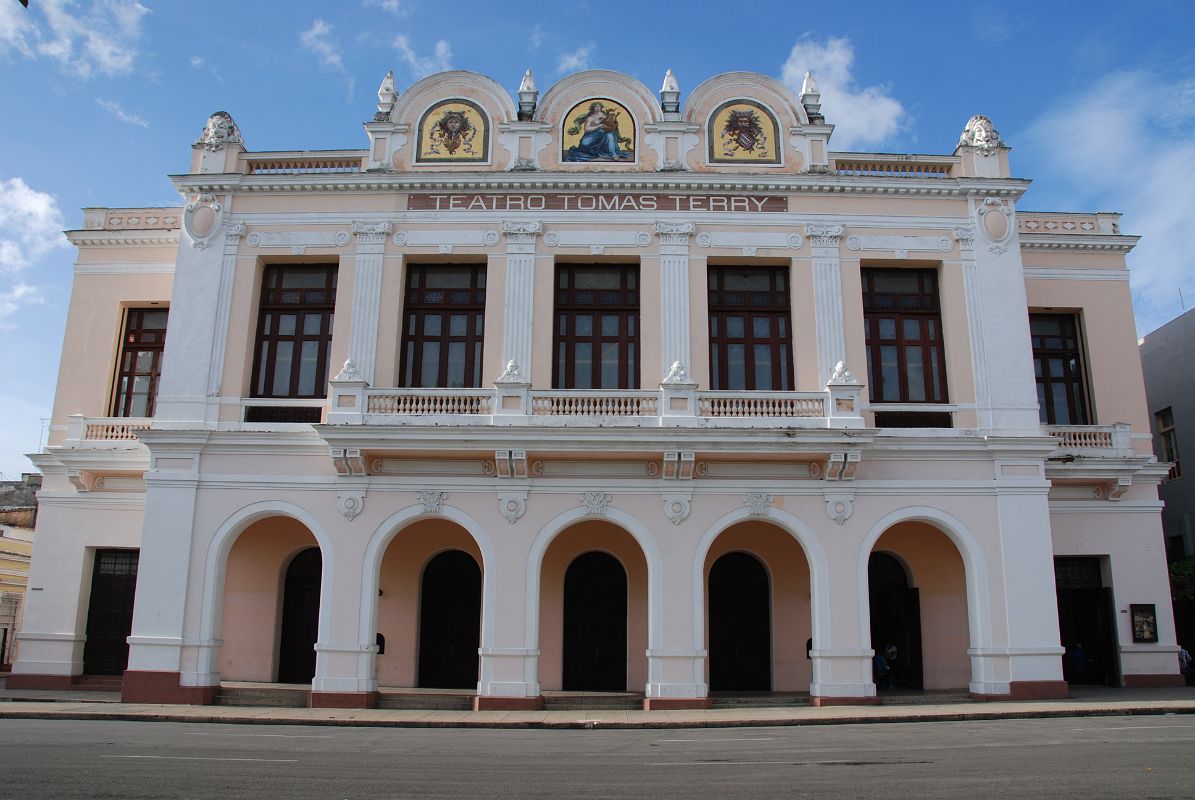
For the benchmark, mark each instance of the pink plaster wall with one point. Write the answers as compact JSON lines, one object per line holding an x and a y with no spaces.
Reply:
{"x":937,"y":572}
{"x":788,"y":574}
{"x":577,"y":540}
{"x":253,"y":587}
{"x":400,"y":581}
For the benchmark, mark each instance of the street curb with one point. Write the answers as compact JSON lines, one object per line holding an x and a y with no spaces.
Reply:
{"x":870,"y":719}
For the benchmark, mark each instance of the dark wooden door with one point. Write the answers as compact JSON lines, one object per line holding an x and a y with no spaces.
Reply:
{"x":740,"y":625}
{"x":110,"y":612}
{"x":450,"y":621}
{"x":1086,"y":621}
{"x":300,"y":618}
{"x":595,"y":624}
{"x":896,"y":619}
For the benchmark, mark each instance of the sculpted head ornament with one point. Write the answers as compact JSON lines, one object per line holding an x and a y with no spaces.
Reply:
{"x":981,"y":134}
{"x":219,"y":132}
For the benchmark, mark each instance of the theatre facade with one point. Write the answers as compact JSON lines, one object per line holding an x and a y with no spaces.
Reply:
{"x":597,"y":390}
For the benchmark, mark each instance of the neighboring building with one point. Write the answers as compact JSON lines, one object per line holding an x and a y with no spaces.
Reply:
{"x":592,"y":391}
{"x":18,"y":513}
{"x":1170,"y":389}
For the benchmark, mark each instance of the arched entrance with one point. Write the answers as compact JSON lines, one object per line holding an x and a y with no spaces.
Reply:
{"x":595,"y":624}
{"x":895,"y":619}
{"x":300,"y":618}
{"x":917,"y":585}
{"x":449,"y":621}
{"x":740,"y":624}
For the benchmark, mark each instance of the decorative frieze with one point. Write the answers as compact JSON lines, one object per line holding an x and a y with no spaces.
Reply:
{"x":432,"y":500}
{"x":759,"y":504}
{"x":595,"y":502}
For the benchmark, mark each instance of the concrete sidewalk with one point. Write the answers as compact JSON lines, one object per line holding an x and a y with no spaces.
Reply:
{"x":1085,"y":701}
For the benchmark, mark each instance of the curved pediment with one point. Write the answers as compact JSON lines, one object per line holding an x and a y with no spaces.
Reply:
{"x":451,"y":120}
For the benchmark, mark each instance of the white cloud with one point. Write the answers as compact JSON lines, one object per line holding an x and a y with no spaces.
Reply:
{"x":398,"y":8}
{"x":17,"y":30}
{"x":536,"y":37}
{"x":102,"y":39}
{"x":30,"y":225}
{"x":14,"y":298}
{"x":862,"y":116}
{"x":1124,"y":145}
{"x":576,"y":60}
{"x":422,"y":66}
{"x":114,"y":108}
{"x":318,"y":39}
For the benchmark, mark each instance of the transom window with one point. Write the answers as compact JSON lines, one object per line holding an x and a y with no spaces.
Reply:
{"x":444,"y":317}
{"x":750,"y":328}
{"x":903,"y":327}
{"x":597,"y":327}
{"x":140,"y":366}
{"x":1058,"y":366}
{"x":294,"y":331}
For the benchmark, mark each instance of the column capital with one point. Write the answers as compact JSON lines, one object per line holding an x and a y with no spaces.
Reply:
{"x":521,"y":231}
{"x":371,"y":232}
{"x":824,"y":235}
{"x":674,"y":233}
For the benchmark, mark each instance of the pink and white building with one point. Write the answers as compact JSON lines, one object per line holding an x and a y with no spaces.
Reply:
{"x":597,"y":390}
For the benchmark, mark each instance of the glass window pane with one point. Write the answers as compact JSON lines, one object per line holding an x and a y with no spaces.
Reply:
{"x":890,"y":374}
{"x":286,"y":324}
{"x":261,"y":380}
{"x":785,"y":384}
{"x":915,"y":372}
{"x":582,"y":365}
{"x":1062,"y":415}
{"x":145,"y":360}
{"x":282,"y":359}
{"x":458,"y":325}
{"x":456,"y":365}
{"x":409,"y":375}
{"x":763,"y":367}
{"x":610,"y":324}
{"x":715,"y":373}
{"x":887,"y":328}
{"x":632,"y":378}
{"x":311,"y":324}
{"x":583,"y":325}
{"x":936,"y":379}
{"x":912,"y":330}
{"x":761,"y":327}
{"x":431,"y":324}
{"x":308,"y":363}
{"x":429,"y":370}
{"x":609,"y":365}
{"x":734,"y":327}
{"x":736,"y":367}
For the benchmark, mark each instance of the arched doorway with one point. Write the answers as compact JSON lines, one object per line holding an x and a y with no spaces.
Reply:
{"x":450,"y":621}
{"x":595,"y":624}
{"x":740,"y":625}
{"x":300,"y":618}
{"x":895,"y":618}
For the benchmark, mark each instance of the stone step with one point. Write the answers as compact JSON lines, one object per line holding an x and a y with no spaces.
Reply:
{"x":269,"y":697}
{"x":922,"y":698}
{"x":593,"y":701}
{"x":425,"y":701}
{"x":770,"y":700}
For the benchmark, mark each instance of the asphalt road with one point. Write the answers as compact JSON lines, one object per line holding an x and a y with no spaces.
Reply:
{"x":1094,"y":757}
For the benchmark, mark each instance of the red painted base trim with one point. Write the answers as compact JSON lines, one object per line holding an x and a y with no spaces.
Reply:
{"x":1145,"y":681}
{"x":481,"y":703}
{"x":1029,"y":690}
{"x":675,"y":703}
{"x":26,"y":681}
{"x":818,"y":702}
{"x":163,"y":687}
{"x":342,"y":700}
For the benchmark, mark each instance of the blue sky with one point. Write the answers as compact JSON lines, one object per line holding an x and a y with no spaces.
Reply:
{"x":102,"y":100}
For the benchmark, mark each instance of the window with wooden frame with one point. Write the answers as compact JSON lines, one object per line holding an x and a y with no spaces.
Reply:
{"x":597,"y":327}
{"x":139,"y":367}
{"x":443,"y":326}
{"x":750,"y":328}
{"x":1168,"y":441}
{"x":294,"y":331}
{"x":1058,"y":367}
{"x":902,"y":319}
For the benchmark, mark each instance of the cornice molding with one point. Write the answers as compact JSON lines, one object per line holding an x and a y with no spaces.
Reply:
{"x":1098,"y":243}
{"x":122,"y":238}
{"x":603,"y":182}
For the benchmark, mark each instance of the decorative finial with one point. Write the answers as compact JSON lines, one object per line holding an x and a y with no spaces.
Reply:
{"x":528,"y":95}
{"x":811,"y":98}
{"x":843,"y":376}
{"x":348,"y":372}
{"x":387,"y":94}
{"x":981,"y":134}
{"x":678,"y":375}
{"x":219,"y":132}
{"x":670,"y":94}
{"x":512,"y":373}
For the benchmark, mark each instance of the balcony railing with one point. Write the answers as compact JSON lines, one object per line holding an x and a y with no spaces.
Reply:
{"x":353,"y":402}
{"x":1092,"y":440}
{"x":83,"y":431}
{"x":887,"y":165}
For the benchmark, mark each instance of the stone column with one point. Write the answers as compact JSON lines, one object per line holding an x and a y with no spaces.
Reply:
{"x":156,"y":644}
{"x":674,"y":293}
{"x":827,"y":296}
{"x":518,"y":325}
{"x":367,"y":296}
{"x":233,"y":231}
{"x":189,"y":365}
